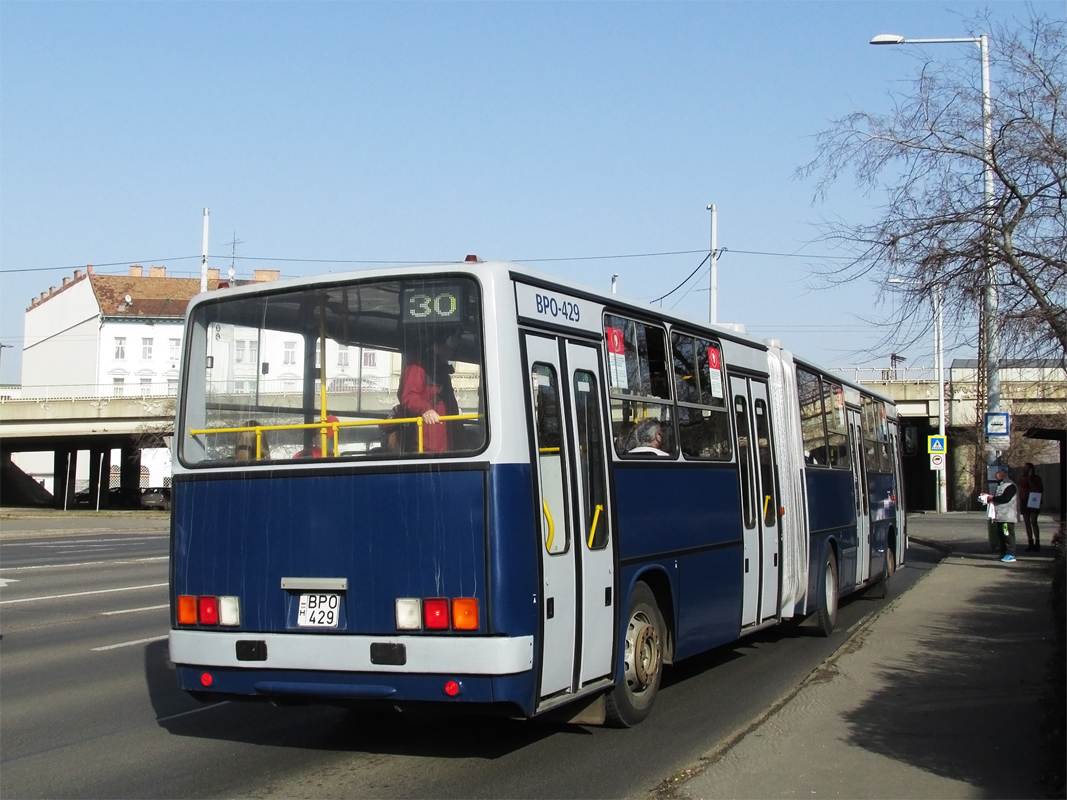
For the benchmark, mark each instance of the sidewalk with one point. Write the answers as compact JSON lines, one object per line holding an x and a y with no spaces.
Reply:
{"x":938,"y":696}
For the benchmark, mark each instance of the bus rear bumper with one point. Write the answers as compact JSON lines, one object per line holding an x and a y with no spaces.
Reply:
{"x":465,"y":655}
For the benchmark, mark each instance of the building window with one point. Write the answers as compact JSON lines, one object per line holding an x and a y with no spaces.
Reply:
{"x":290,"y":353}
{"x":342,"y":355}
{"x":238,"y":352}
{"x":146,"y":386}
{"x":370,"y":358}
{"x":253,"y":352}
{"x":175,"y":349}
{"x":120,"y":348}
{"x":172,"y":386}
{"x":117,"y":388}
{"x":146,"y":349}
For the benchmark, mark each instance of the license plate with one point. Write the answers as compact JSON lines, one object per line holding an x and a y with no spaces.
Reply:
{"x":318,"y":610}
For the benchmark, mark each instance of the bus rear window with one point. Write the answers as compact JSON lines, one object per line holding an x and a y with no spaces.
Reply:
{"x":387,"y":369}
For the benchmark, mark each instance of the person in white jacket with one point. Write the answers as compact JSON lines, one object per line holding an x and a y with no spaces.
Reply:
{"x":1005,"y":503}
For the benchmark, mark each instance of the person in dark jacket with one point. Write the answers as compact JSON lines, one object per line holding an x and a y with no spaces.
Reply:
{"x":1029,"y":483}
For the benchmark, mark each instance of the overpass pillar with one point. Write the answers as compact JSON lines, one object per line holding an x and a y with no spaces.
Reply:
{"x":130,"y":477}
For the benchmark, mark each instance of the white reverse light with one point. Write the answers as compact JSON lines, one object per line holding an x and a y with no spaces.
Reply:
{"x":408,"y":613}
{"x":229,"y":611}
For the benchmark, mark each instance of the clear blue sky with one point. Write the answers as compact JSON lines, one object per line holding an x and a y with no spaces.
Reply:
{"x":426,"y":131}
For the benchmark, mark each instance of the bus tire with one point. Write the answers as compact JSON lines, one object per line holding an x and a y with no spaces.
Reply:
{"x":631,"y":701}
{"x":826,"y":616}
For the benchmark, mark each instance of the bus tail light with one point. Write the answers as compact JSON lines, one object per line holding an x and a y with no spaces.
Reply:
{"x":207,"y":609}
{"x":465,"y":614}
{"x":435,"y":613}
{"x":408,"y":613}
{"x":186,"y":610}
{"x":229,"y":610}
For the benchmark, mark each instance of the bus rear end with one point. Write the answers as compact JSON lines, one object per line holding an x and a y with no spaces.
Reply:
{"x":329,"y":538}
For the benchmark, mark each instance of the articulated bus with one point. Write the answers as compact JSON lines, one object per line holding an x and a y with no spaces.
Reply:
{"x":601,"y":490}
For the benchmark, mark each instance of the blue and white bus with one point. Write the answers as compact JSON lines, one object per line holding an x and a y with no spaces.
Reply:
{"x":618,"y":489}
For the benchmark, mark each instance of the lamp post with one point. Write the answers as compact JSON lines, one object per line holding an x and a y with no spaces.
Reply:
{"x":937,"y":298}
{"x":989,"y":334}
{"x":2,"y":346}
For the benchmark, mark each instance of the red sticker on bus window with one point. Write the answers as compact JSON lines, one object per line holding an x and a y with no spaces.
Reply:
{"x":715,"y":372}
{"x":617,"y":358}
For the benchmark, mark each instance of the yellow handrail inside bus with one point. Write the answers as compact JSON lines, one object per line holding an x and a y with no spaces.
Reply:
{"x":551,"y":526}
{"x":592,"y":529}
{"x":260,"y":429}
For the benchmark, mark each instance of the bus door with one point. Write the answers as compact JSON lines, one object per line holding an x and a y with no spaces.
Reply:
{"x":577,"y":603}
{"x":863,"y":510}
{"x":759,"y":500}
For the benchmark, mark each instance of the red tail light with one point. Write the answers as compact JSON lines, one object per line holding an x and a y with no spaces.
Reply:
{"x":208,"y":610}
{"x":435,"y":613}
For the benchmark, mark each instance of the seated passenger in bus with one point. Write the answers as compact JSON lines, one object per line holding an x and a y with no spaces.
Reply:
{"x":649,"y":435}
{"x":426,"y":391}
{"x":315,"y":450}
{"x":245,"y":450}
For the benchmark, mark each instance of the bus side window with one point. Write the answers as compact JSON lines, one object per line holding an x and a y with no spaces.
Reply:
{"x":548,"y":431}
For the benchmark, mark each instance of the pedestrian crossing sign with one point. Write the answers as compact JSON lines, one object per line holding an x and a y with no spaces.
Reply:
{"x":935,"y":444}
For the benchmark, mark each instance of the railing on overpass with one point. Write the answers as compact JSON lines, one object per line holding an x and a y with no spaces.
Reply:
{"x":869,"y":375}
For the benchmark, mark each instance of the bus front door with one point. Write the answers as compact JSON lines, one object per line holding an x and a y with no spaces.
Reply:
{"x":576,"y":541}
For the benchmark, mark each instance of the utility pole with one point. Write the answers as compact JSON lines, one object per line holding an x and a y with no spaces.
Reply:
{"x":203,"y":251}
{"x":713,"y":277}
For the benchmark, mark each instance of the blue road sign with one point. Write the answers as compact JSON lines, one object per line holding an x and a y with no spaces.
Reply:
{"x":936,"y":444}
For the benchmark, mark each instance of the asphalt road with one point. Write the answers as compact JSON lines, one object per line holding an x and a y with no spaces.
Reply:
{"x":90,"y":707}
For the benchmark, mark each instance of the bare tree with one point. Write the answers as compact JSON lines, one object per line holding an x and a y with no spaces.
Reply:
{"x":927,"y":154}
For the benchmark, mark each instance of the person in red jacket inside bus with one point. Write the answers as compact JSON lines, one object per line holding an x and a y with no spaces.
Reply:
{"x":426,"y":391}
{"x":315,"y":450}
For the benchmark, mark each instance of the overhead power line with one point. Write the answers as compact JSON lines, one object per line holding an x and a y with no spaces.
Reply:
{"x":133,"y":262}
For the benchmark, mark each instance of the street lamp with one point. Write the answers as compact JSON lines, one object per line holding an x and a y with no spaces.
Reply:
{"x":989,"y":334}
{"x":937,"y":297}
{"x":2,"y":346}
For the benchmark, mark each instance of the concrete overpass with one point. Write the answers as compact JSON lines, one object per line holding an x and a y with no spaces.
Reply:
{"x":67,"y":419}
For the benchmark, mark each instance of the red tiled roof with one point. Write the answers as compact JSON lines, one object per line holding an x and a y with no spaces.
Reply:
{"x":151,"y":297}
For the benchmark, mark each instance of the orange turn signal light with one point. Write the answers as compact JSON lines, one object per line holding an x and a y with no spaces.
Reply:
{"x":465,"y":614}
{"x":186,"y":609}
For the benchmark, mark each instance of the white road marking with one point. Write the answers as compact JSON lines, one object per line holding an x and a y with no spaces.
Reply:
{"x":133,"y":610}
{"x":193,"y":711}
{"x":55,"y":543}
{"x":81,"y":594}
{"x":87,"y":563}
{"x":130,"y":644}
{"x":5,"y":581}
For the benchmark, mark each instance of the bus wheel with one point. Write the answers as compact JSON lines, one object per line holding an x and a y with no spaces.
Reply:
{"x":826,"y":616}
{"x":631,"y":701}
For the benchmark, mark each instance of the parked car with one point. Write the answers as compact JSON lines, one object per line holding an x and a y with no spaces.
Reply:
{"x":85,"y":498}
{"x":156,"y":498}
